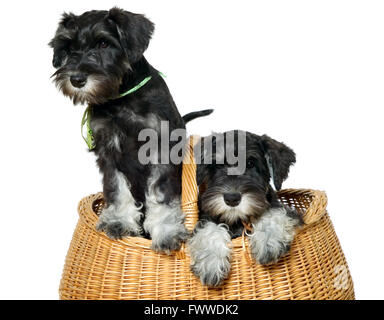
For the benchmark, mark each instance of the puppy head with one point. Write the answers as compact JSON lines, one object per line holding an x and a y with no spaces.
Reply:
{"x":245,"y":196}
{"x":94,"y":51}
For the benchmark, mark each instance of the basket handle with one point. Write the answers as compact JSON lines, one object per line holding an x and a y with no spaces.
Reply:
{"x":189,"y":186}
{"x":317,"y":204}
{"x":317,"y":208}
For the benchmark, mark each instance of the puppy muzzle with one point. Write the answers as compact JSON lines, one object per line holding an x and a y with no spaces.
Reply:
{"x":78,"y":80}
{"x":232,"y":199}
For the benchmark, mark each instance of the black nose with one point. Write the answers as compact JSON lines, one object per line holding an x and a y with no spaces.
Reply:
{"x":232,"y":199}
{"x":78,"y":80}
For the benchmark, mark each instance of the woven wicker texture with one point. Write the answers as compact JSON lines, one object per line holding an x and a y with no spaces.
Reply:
{"x":97,"y":267}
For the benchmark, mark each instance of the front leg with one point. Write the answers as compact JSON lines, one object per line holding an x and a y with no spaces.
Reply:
{"x":273,"y":234}
{"x":210,"y":249}
{"x":164,"y":219}
{"x":121,"y":217}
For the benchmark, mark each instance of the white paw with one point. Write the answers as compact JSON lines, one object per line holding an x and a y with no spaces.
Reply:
{"x":272,"y":236}
{"x":167,"y":238}
{"x":117,"y":227}
{"x":211,"y":271}
{"x":211,"y":254}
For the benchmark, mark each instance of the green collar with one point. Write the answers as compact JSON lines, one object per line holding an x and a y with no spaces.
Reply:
{"x":89,"y":138}
{"x":86,"y":120}
{"x":135,"y":88}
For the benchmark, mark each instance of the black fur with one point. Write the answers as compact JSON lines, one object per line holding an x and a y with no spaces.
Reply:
{"x":213,"y":179}
{"x":154,"y":97}
{"x":229,"y":198}
{"x":106,"y":47}
{"x":197,"y":114}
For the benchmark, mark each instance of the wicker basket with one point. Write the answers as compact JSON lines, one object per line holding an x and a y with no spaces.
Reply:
{"x":97,"y":267}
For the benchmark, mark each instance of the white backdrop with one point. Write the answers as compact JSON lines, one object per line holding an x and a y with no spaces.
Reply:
{"x":309,"y":73}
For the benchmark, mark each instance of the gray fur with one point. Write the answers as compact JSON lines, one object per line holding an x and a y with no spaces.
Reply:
{"x":272,"y":235}
{"x":123,"y":216}
{"x":164,"y":222}
{"x":210,"y":250}
{"x":217,"y":207}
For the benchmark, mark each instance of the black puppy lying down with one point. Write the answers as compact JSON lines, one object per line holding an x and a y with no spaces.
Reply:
{"x":227,"y":199}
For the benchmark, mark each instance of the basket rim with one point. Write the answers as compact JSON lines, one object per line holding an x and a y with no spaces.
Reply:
{"x":313,"y":214}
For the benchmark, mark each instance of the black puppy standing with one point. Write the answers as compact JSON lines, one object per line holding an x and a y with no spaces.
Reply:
{"x":226,"y":201}
{"x":99,"y":57}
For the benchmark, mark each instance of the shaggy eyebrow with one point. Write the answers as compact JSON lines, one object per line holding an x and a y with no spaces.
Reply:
{"x":62,"y":40}
{"x":107,"y":36}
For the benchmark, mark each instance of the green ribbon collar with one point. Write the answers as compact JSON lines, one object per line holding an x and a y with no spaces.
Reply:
{"x":86,"y":120}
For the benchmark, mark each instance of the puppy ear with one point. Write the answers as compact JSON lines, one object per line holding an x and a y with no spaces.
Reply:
{"x":68,"y":20}
{"x":134,"y":31}
{"x":58,"y":58}
{"x":279,"y":158}
{"x":58,"y":43}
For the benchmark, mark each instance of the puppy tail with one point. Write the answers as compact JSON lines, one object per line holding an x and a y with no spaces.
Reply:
{"x":196,"y":114}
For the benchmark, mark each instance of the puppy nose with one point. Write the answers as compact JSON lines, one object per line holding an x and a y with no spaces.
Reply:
{"x":232,"y":199}
{"x":78,"y":80}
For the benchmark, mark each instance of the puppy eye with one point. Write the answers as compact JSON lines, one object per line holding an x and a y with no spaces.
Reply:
{"x":71,"y":47}
{"x":250,"y":163}
{"x":103,"y":44}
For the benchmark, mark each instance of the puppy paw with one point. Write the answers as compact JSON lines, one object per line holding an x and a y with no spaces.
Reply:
{"x":268,"y":252}
{"x":273,"y":234}
{"x":211,"y":271}
{"x":210,"y":253}
{"x":118,"y":229}
{"x":165,"y":224}
{"x":118,"y":222}
{"x":167,"y":238}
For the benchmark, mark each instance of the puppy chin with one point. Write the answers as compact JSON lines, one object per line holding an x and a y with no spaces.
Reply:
{"x":248,"y":208}
{"x":95,"y":91}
